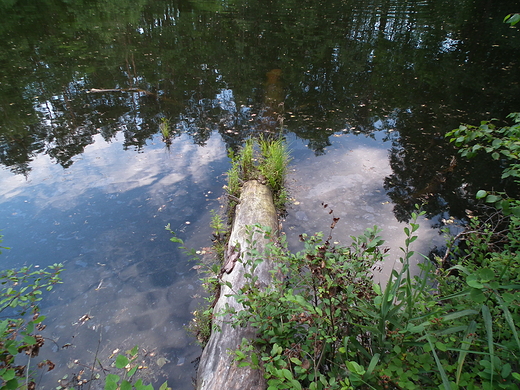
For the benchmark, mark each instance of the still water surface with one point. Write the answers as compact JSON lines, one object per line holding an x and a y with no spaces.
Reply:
{"x":363,"y":91}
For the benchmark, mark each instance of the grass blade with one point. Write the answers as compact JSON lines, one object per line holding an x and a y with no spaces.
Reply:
{"x":373,"y":363}
{"x":488,"y":323}
{"x":509,"y":318}
{"x":445,"y":380}
{"x":465,"y":346}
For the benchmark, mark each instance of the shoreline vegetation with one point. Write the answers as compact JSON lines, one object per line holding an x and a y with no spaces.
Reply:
{"x":326,"y":325}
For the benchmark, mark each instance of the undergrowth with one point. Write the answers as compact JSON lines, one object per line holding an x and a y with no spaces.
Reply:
{"x":327,"y":325}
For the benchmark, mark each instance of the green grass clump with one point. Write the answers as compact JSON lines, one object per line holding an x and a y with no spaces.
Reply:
{"x":275,"y":161}
{"x":265,"y":160}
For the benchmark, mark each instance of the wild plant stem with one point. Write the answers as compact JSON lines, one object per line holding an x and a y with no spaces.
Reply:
{"x":94,"y":362}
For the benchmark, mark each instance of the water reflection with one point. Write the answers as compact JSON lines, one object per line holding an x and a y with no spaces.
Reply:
{"x":104,"y":218}
{"x":85,"y":88}
{"x":349,"y":180}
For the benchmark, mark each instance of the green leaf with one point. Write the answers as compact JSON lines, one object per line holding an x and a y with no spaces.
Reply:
{"x":465,"y":346}
{"x":474,"y":281}
{"x":139,"y":385}
{"x":506,"y":370}
{"x":125,"y":385}
{"x":164,"y":386}
{"x":132,"y":371}
{"x":111,"y":382}
{"x":441,"y":346}
{"x":355,"y":368}
{"x":486,"y":274}
{"x":254,"y":359}
{"x":240,"y":355}
{"x":112,"y":378}
{"x":287,"y":374}
{"x":121,"y":361}
{"x":8,"y":375}
{"x":477,"y":295}
{"x":459,"y":314}
{"x":12,"y":349}
{"x":295,"y":384}
{"x":509,"y":319}
{"x":492,"y":199}
{"x":11,"y":385}
{"x":512,"y":19}
{"x":481,"y":194}
{"x":30,"y":340}
{"x":373,"y":363}
{"x":296,"y":361}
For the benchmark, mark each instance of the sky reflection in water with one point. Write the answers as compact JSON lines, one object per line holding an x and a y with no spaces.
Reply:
{"x":104,"y":218}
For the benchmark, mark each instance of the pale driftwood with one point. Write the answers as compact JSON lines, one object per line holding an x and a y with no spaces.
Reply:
{"x":217,"y":370}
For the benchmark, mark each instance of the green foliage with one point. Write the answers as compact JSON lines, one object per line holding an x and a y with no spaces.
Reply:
{"x":274,"y":163}
{"x":218,"y":225}
{"x":201,"y":323}
{"x":234,"y":178}
{"x":269,"y":164}
{"x":128,"y":364}
{"x":327,"y":325}
{"x":246,"y":160}
{"x":502,"y":143}
{"x":512,"y":19}
{"x":20,"y":292}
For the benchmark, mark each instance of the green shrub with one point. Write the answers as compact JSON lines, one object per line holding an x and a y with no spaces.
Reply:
{"x":326,"y":325}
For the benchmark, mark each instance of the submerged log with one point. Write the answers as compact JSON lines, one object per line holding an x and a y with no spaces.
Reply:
{"x":217,"y":370}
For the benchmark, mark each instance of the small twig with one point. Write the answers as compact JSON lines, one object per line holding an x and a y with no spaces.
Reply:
{"x":27,"y":372}
{"x":54,"y":341}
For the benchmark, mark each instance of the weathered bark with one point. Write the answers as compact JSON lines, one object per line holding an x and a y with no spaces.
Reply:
{"x":216,"y":369}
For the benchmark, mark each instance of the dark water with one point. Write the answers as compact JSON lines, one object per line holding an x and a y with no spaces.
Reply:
{"x":363,"y":90}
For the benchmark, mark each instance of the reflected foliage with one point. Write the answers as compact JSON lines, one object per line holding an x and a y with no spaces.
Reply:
{"x":74,"y":70}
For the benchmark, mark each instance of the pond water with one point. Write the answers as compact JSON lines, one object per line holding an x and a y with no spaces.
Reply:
{"x":363,"y":91}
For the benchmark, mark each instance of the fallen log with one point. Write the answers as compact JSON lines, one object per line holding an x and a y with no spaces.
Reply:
{"x":217,"y":370}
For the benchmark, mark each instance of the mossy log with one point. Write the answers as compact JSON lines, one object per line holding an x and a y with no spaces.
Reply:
{"x":217,"y":370}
